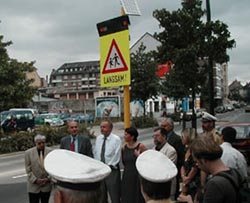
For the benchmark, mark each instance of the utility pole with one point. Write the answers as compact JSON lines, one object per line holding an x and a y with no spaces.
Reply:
{"x":210,"y":66}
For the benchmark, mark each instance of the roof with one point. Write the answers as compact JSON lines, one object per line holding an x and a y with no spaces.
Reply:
{"x":37,"y":98}
{"x":86,"y":66}
{"x":148,"y":41}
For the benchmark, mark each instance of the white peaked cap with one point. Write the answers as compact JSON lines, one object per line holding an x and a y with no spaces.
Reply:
{"x":155,"y":166}
{"x":67,"y":166}
{"x":208,"y":117}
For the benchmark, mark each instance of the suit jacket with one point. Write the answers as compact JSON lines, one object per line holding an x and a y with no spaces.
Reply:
{"x":175,"y":141}
{"x":35,"y":170}
{"x":84,"y":144}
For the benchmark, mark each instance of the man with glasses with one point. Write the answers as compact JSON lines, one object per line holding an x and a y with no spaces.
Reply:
{"x":161,"y":145}
{"x":38,"y":182}
{"x":219,"y":188}
{"x":175,"y":140}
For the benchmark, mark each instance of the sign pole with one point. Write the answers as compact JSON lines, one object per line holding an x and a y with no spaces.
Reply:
{"x":126,"y":94}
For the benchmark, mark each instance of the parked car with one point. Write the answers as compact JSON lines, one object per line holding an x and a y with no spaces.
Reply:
{"x":242,"y":142}
{"x":34,"y":111}
{"x":247,"y":109}
{"x":220,"y":109}
{"x":3,"y":115}
{"x":229,"y":107}
{"x":51,"y":119}
{"x":81,"y":118}
{"x":24,"y":120}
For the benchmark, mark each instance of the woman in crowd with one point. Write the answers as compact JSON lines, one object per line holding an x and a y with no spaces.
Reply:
{"x":131,"y":192}
{"x":190,"y":173}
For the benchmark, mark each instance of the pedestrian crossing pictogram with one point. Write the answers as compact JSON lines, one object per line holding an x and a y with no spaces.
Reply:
{"x":114,"y":62}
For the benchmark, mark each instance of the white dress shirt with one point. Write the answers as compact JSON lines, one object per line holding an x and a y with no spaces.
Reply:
{"x":233,"y":158}
{"x":112,"y":149}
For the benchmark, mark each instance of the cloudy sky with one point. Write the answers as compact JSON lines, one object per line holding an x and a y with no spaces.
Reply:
{"x":54,"y":32}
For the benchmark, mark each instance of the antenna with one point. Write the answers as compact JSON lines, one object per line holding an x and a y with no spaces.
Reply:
{"x":130,"y":7}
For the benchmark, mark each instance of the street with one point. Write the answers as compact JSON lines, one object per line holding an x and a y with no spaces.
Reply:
{"x":12,"y":173}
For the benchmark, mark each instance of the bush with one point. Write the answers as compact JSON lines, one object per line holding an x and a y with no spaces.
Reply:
{"x":23,"y":140}
{"x":144,"y":122}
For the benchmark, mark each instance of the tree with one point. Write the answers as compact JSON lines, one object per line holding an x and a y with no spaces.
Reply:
{"x":186,"y":40}
{"x":15,"y":89}
{"x":145,"y":82}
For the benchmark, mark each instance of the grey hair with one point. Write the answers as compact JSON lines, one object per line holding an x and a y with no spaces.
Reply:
{"x":39,"y":137}
{"x":72,"y":196}
{"x":170,"y":121}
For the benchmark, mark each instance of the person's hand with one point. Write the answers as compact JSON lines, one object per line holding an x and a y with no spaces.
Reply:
{"x":39,"y":181}
{"x":185,"y":198}
{"x":42,"y":181}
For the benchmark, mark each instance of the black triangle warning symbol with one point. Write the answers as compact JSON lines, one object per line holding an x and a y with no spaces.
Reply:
{"x":114,"y":62}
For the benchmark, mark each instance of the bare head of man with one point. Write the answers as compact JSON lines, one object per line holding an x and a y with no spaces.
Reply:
{"x":72,"y":128}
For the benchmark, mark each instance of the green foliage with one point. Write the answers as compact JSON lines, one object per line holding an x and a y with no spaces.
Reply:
{"x":15,"y":89}
{"x":145,"y":82}
{"x":144,"y":122}
{"x":23,"y":140}
{"x":186,"y":40}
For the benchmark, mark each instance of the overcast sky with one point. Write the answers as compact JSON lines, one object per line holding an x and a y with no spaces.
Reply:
{"x":54,"y":32}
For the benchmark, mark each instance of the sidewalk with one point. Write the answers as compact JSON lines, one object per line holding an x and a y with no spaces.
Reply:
{"x":118,"y":128}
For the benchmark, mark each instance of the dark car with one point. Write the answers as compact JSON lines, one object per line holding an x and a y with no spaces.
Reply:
{"x":242,"y":142}
{"x":247,"y":109}
{"x":24,"y":120}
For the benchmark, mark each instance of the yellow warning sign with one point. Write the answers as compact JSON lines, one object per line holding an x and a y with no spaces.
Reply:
{"x":115,"y":59}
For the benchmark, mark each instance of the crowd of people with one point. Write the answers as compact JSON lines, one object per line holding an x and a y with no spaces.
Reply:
{"x":184,"y":167}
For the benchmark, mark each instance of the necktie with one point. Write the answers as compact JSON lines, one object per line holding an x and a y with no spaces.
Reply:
{"x":72,"y":145}
{"x":103,"y":149}
{"x":41,"y":158}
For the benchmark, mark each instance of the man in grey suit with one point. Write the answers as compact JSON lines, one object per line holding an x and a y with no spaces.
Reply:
{"x":75,"y":142}
{"x":38,"y":183}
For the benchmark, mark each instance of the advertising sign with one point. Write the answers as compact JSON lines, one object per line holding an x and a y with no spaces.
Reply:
{"x":107,"y":107}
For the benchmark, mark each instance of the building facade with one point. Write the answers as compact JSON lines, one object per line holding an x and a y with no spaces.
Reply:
{"x":78,"y":81}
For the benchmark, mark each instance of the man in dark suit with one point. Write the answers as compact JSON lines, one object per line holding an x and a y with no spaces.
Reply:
{"x":75,"y":142}
{"x":175,"y":140}
{"x":38,"y":184}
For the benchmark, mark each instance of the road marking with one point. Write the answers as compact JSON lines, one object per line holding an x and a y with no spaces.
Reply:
{"x":11,"y":173}
{"x":19,"y":176}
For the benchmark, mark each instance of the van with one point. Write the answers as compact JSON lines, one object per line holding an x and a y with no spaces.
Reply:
{"x":24,"y":120}
{"x":34,"y":111}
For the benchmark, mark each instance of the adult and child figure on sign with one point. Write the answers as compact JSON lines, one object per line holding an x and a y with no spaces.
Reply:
{"x":171,"y":171}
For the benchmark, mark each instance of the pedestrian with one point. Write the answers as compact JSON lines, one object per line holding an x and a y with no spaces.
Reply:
{"x":156,"y":172}
{"x":77,"y":178}
{"x":108,"y":150}
{"x":218,"y":189}
{"x":175,"y":140}
{"x":190,"y":173}
{"x":76,"y":142}
{"x":131,"y":192}
{"x":161,"y":145}
{"x":38,"y":181}
{"x":208,"y":126}
{"x":231,"y":156}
